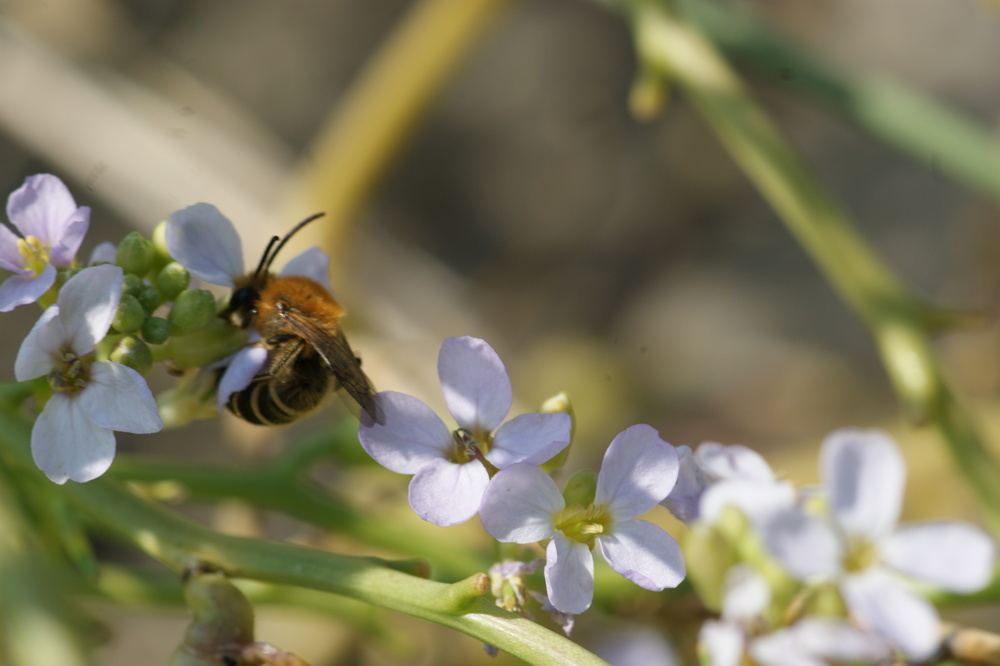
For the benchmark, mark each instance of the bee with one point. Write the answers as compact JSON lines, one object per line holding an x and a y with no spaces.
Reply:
{"x":307,"y":354}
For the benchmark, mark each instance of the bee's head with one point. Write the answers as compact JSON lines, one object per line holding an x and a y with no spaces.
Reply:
{"x":242,"y":306}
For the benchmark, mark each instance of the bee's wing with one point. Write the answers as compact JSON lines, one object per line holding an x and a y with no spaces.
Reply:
{"x":336,"y":353}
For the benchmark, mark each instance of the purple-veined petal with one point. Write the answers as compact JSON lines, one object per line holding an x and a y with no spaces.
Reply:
{"x":205,"y":242}
{"x":644,"y":554}
{"x":733,"y":462}
{"x":569,"y":575}
{"x":806,"y":545}
{"x":884,"y":607}
{"x":865,"y":474}
{"x":41,"y":207}
{"x":66,"y":444}
{"x":312,"y":263}
{"x":950,"y":555}
{"x":447,"y":493}
{"x":638,"y":471}
{"x":104,"y":252}
{"x":757,"y":501}
{"x":117,"y":398}
{"x":475,"y":383}
{"x":411,"y":436}
{"x":520,"y":504}
{"x":64,"y":249}
{"x":23,"y":289}
{"x":530,"y":438}
{"x":88,"y":303}
{"x":245,"y":363}
{"x":721,"y":643}
{"x":11,"y":258}
{"x":39,"y":350}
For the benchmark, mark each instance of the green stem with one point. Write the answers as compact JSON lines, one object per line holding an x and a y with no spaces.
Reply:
{"x":896,"y":319}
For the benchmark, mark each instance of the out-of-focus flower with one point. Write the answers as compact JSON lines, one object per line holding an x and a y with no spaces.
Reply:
{"x":819,"y":641}
{"x":450,"y":473}
{"x":73,"y":437}
{"x":523,"y":505}
{"x":52,"y":226}
{"x":858,"y":545}
{"x":745,"y":598}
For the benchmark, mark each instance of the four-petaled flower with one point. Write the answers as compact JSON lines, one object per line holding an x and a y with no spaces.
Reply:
{"x":44,"y":211}
{"x":205,"y":242}
{"x":451,"y":468}
{"x":524,"y":505}
{"x":858,"y":545}
{"x":73,"y":436}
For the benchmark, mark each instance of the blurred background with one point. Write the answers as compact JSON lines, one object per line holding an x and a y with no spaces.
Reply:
{"x":627,"y":262}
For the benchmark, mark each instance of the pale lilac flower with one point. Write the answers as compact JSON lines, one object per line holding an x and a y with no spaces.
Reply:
{"x":73,"y":436}
{"x":52,"y":226}
{"x":523,"y":505}
{"x":714,"y":476}
{"x":859,"y":546}
{"x":205,"y":242}
{"x":636,"y":645}
{"x":448,"y":467}
{"x":746,"y":596}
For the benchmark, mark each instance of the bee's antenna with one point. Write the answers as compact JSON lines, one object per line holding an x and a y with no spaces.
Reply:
{"x":265,"y":261}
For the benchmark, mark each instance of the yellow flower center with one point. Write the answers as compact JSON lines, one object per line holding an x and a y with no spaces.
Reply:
{"x":469,"y":446}
{"x":583,"y":525}
{"x":861,"y":554}
{"x":36,"y":254}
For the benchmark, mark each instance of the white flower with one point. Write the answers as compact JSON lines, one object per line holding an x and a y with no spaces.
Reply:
{"x":449,"y":474}
{"x":44,"y":211}
{"x":746,"y":596}
{"x":523,"y":505}
{"x":859,"y":546}
{"x":819,"y":641}
{"x":73,"y":436}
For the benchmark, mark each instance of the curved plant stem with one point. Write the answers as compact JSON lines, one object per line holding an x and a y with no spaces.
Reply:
{"x":898,"y":321}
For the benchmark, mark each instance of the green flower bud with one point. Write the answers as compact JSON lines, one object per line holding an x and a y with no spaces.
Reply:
{"x":155,"y":330}
{"x":160,"y":242}
{"x":581,"y":488}
{"x":223,"y":617}
{"x":133,"y":353}
{"x":132,"y":284}
{"x":559,"y":403}
{"x":149,"y":297}
{"x":130,"y":315}
{"x":172,"y":280}
{"x":62,"y":277}
{"x":193,"y":309}
{"x":709,"y":556}
{"x":135,"y":254}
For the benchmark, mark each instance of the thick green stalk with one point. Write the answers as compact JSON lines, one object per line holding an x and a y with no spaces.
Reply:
{"x":897,"y":320}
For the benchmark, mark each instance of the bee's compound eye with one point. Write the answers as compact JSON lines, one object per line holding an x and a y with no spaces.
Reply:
{"x":242,"y":306}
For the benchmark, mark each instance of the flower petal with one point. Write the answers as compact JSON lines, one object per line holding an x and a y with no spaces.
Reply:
{"x":103,"y":253}
{"x":757,"y":501}
{"x":66,"y":444}
{"x":644,"y":554}
{"x":782,"y":648}
{"x":88,"y":303}
{"x":475,"y":383}
{"x":117,"y":398}
{"x":447,"y":493}
{"x":38,"y":352}
{"x":11,"y":258}
{"x":530,"y":438}
{"x":312,"y":263}
{"x":733,"y":462}
{"x":865,"y":474}
{"x":410,"y":437}
{"x":569,"y":575}
{"x":245,"y":363}
{"x":838,"y":642}
{"x":64,"y":250}
{"x":950,"y":555}
{"x":519,"y":505}
{"x":721,"y":643}
{"x":746,"y":595}
{"x":42,"y":207}
{"x":205,"y":242}
{"x":639,"y":470}
{"x":23,"y":289}
{"x":880,"y":604}
{"x":804,"y":544}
